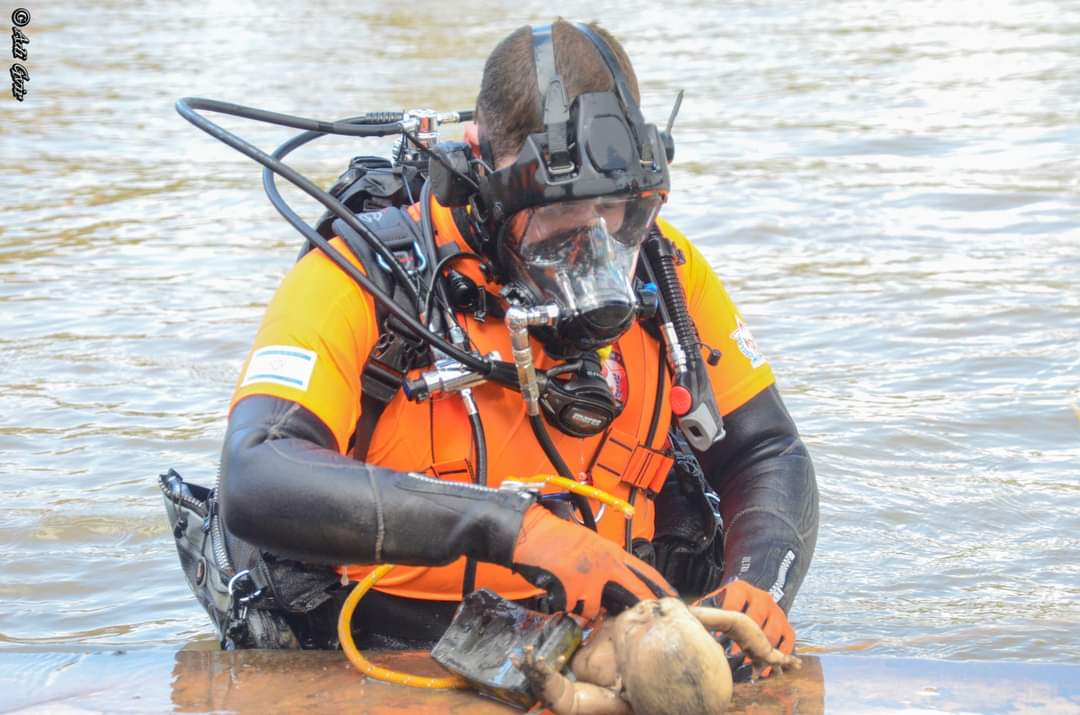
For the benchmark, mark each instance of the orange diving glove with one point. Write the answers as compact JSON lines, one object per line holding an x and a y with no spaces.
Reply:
{"x":762,"y":609}
{"x":581,"y":570}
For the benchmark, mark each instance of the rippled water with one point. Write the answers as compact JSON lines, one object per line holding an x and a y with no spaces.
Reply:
{"x":890,"y":191}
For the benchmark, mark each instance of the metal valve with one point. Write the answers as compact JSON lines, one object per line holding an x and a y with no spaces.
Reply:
{"x":448,"y":376}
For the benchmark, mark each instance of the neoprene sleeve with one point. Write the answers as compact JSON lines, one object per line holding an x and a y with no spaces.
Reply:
{"x":285,"y":488}
{"x":768,"y":497}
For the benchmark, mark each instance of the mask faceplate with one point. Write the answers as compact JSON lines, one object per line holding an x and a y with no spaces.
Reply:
{"x":581,"y":255}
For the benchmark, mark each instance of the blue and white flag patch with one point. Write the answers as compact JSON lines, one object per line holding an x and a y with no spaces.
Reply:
{"x":282,"y":365}
{"x":747,"y":345}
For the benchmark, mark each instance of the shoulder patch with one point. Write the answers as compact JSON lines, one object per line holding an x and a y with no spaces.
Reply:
{"x":282,"y":365}
{"x":744,"y":339}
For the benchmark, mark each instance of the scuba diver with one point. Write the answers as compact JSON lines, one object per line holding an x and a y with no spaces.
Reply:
{"x":513,"y":306}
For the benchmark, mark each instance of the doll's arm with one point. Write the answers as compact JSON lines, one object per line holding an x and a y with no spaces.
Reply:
{"x":744,"y":631}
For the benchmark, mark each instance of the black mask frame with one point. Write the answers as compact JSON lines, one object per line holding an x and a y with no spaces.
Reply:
{"x":597,"y":145}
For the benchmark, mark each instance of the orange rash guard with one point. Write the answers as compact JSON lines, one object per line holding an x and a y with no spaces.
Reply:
{"x":324,"y":323}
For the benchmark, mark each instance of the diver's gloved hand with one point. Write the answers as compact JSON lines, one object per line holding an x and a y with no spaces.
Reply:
{"x":581,"y":570}
{"x":761,"y":608}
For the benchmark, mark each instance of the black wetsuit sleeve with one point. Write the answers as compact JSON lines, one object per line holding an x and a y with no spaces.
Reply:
{"x":286,"y":489}
{"x":768,"y":497}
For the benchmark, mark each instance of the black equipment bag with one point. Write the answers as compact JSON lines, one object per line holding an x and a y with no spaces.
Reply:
{"x":249,"y":595}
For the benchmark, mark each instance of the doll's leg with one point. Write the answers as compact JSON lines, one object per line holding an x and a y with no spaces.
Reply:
{"x":565,"y":697}
{"x":594,"y":661}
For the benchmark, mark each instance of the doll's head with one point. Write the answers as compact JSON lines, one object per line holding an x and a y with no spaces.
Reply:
{"x":668,"y":662}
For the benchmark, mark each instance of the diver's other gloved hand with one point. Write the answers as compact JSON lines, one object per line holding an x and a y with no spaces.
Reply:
{"x":581,"y":570}
{"x":739,"y":595}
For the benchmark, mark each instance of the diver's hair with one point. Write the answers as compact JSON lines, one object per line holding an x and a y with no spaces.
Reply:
{"x":509,"y":106}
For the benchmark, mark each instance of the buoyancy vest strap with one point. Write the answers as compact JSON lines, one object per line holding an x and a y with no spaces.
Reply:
{"x":620,"y":455}
{"x":397,"y":350}
{"x":380,"y":381}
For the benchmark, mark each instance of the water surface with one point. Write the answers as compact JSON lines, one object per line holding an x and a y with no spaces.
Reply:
{"x":891,"y":192}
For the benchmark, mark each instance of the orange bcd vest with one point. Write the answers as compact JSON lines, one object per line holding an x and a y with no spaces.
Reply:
{"x":435,"y":438}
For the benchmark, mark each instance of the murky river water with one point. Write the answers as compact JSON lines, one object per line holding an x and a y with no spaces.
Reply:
{"x":891,"y":192}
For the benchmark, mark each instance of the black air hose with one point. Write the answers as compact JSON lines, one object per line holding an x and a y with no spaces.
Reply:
{"x":661,"y":255}
{"x":468,"y":583}
{"x":563,"y":470}
{"x":699,"y":416}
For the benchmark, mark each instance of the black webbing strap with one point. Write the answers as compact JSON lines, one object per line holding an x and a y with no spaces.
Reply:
{"x":379,"y":384}
{"x":544,"y":59}
{"x":553,"y":101}
{"x":622,"y":89}
{"x":397,"y":350}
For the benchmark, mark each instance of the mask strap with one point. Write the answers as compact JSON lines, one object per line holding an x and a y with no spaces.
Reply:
{"x":486,"y":154}
{"x":622,"y":88}
{"x":544,"y":59}
{"x":555,"y":108}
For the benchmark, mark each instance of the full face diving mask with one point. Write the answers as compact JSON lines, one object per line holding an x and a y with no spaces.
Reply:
{"x":568,"y":216}
{"x":581,"y":255}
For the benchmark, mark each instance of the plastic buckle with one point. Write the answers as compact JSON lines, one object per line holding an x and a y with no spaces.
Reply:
{"x":395,"y":353}
{"x":560,"y":169}
{"x":414,"y":263}
{"x":481,"y":306}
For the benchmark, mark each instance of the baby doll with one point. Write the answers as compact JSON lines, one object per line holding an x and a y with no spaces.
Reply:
{"x":657,"y":658}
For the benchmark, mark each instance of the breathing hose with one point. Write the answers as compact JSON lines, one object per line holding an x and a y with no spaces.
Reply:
{"x":186,"y":108}
{"x":561,"y":467}
{"x":585,"y":490}
{"x":662,"y":261}
{"x":697,"y":413}
{"x":468,"y":583}
{"x":362,"y":664}
{"x":294,"y":220}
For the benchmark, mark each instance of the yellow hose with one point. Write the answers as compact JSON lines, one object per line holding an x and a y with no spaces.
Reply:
{"x":452,"y":682}
{"x":583,"y":489}
{"x":363,"y":664}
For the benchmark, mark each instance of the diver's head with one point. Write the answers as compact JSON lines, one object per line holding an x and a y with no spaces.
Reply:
{"x":577,"y":179}
{"x":509,"y":106}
